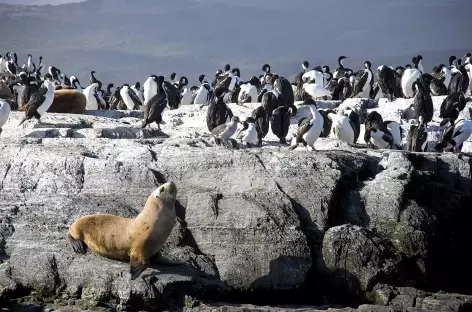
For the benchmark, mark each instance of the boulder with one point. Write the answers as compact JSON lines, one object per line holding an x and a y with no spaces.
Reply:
{"x":357,"y":259}
{"x":266,"y":226}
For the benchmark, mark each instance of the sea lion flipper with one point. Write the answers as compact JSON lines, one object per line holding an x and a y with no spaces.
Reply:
{"x":77,"y":245}
{"x":136,"y":268}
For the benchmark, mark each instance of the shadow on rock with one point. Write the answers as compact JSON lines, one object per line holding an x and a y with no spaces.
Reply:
{"x":355,"y":259}
{"x":442,"y":187}
{"x":277,"y":293}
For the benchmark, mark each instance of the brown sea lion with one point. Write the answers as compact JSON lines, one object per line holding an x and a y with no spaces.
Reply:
{"x":136,"y":240}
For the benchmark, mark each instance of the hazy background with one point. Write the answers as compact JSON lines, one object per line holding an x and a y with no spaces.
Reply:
{"x":127,"y":40}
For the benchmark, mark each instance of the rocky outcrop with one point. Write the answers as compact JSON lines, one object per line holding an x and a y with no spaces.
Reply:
{"x":256,"y":226}
{"x":358,"y":259}
{"x":415,"y":207}
{"x":387,"y":299}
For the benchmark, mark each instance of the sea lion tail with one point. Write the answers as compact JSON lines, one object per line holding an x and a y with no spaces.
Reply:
{"x":77,"y":245}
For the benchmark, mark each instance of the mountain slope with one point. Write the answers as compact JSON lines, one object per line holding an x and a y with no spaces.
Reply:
{"x":126,"y":40}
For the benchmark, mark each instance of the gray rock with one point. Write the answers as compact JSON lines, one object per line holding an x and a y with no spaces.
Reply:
{"x":251,"y":221}
{"x":411,"y":299}
{"x":357,"y":259}
{"x":256,"y":242}
{"x":252,"y":308}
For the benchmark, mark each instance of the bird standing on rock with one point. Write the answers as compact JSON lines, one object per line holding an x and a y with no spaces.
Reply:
{"x":422,"y":103}
{"x":130,"y":98}
{"x":309,"y":130}
{"x":150,"y":88}
{"x":417,"y":140}
{"x":261,"y":120}
{"x":218,"y":112}
{"x":455,"y":134}
{"x":381,"y":138}
{"x":225,"y":131}
{"x":381,"y":134}
{"x":155,"y":106}
{"x":248,"y":134}
{"x":39,"y":102}
{"x":137,"y":89}
{"x":345,"y":126}
{"x":452,"y":105}
{"x":280,"y":123}
{"x":93,"y":101}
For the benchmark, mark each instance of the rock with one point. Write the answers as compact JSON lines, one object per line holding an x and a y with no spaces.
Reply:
{"x":252,"y":308}
{"x":176,"y":122}
{"x":411,"y":200}
{"x":411,"y":299}
{"x":266,"y":225}
{"x":374,"y":308}
{"x":187,"y":120}
{"x":58,"y":189}
{"x":357,"y":259}
{"x":402,"y":300}
{"x":385,"y":190}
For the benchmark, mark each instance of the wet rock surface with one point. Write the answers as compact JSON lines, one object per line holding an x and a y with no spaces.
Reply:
{"x":261,"y":229}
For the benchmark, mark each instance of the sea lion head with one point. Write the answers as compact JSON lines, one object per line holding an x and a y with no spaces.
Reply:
{"x":167,"y":191}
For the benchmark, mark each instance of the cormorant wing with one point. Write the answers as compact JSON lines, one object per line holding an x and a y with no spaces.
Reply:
{"x":229,"y":111}
{"x":360,"y":81}
{"x":133,"y":97}
{"x":171,"y":92}
{"x":424,"y":134}
{"x":303,"y":126}
{"x":97,"y":98}
{"x":241,"y":133}
{"x":37,"y":97}
{"x":356,"y":130}
{"x":224,"y":82}
{"x":278,"y":86}
{"x":219,"y":130}
{"x":155,"y":106}
{"x":387,"y":138}
{"x":33,"y":105}
{"x":257,"y":113}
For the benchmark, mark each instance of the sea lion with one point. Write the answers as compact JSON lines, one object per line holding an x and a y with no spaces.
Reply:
{"x":134,"y":240}
{"x":68,"y":101}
